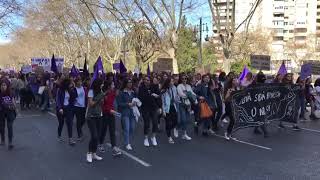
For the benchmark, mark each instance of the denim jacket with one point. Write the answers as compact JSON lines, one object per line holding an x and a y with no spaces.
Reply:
{"x":166,"y":99}
{"x":123,"y":99}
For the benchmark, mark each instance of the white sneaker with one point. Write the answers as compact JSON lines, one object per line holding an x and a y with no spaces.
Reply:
{"x":210,"y":131}
{"x":146,"y":142}
{"x":154,"y":141}
{"x":89,"y":157}
{"x":186,"y":137}
{"x":175,"y":133}
{"x":128,"y":147}
{"x":96,"y":157}
{"x":170,"y":140}
{"x":226,"y":136}
{"x":225,"y":121}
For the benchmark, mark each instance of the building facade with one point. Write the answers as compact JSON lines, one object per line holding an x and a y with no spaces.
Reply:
{"x":293,"y":24}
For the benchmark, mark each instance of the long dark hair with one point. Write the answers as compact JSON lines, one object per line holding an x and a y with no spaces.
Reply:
{"x":8,"y":91}
{"x":107,"y":85}
{"x":125,"y":83}
{"x":166,"y":84}
{"x":65,"y":84}
{"x":96,"y":86}
{"x":317,"y":83}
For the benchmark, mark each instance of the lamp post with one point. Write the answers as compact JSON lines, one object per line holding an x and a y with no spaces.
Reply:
{"x":198,"y":30}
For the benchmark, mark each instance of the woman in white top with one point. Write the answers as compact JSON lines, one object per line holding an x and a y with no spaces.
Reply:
{"x":80,"y":107}
{"x":186,"y":95}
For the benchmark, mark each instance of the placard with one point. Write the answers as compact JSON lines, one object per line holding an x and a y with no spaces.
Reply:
{"x":265,"y":103}
{"x":46,"y":63}
{"x":260,"y":62}
{"x":163,"y":65}
{"x":315,"y":66}
{"x":25,"y":69}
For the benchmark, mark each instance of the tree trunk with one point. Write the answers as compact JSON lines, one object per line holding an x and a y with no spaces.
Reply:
{"x":172,"y":53}
{"x":226,"y":66}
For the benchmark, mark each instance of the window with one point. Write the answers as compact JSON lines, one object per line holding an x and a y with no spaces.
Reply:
{"x":278,"y":15}
{"x":290,"y":31}
{"x":278,"y":38}
{"x":278,"y":30}
{"x":300,"y":30}
{"x":300,"y":38}
{"x":286,"y":23}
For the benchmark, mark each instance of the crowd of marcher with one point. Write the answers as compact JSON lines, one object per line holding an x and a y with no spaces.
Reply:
{"x":179,"y":100}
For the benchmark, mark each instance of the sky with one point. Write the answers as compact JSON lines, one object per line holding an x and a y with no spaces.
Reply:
{"x":192,"y":19}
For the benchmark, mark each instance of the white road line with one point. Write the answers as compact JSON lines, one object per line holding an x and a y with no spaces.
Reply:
{"x":122,"y":151}
{"x":26,"y":116}
{"x":52,"y":114}
{"x":247,"y":143}
{"x":132,"y":157}
{"x":306,"y":129}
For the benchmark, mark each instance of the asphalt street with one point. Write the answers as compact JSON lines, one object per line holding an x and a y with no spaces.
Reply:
{"x":285,"y":155}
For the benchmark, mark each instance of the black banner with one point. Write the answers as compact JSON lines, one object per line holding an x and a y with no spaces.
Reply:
{"x":265,"y":103}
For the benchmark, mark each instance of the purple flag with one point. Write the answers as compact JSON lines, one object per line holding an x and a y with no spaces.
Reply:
{"x":244,"y":73}
{"x":98,"y":68}
{"x":282,"y":70}
{"x":123,"y":68}
{"x":148,"y":71}
{"x":116,"y":66}
{"x":305,"y":71}
{"x":54,"y":67}
{"x":74,"y":72}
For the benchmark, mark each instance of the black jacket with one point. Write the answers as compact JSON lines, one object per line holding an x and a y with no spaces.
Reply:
{"x":149,"y":103}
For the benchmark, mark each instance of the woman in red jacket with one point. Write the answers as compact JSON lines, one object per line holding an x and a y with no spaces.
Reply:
{"x":109,"y":114}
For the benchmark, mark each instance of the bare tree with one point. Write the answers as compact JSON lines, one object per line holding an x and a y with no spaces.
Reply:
{"x":162,"y":18}
{"x":226,"y":30}
{"x":8,"y":8}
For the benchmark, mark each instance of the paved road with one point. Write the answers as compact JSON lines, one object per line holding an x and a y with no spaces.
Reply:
{"x":285,"y":155}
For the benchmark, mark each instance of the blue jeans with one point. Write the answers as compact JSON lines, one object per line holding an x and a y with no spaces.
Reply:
{"x":184,"y":117}
{"x":68,"y":114}
{"x":128,"y":127}
{"x":302,"y":106}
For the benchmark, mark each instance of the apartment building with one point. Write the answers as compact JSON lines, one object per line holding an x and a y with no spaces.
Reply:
{"x":318,"y":26}
{"x":294,"y":22}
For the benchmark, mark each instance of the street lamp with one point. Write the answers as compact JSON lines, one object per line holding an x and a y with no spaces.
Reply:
{"x":200,"y":29}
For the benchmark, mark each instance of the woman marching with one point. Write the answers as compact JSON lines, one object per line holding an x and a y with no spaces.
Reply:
{"x":231,"y":86}
{"x":80,"y":106}
{"x":108,"y":121}
{"x":65,"y":100}
{"x":125,"y":105}
{"x":94,"y":118}
{"x":169,"y":106}
{"x":149,"y":95}
{"x":7,"y":112}
{"x":185,"y":93}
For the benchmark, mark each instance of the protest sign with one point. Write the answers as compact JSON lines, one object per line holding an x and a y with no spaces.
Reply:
{"x":163,"y":64}
{"x":46,"y":63}
{"x":263,"y":104}
{"x":306,"y":70}
{"x":260,"y":62}
{"x":25,"y":69}
{"x":315,"y":66}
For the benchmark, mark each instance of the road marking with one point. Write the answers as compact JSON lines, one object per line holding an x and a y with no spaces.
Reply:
{"x":26,"y":116}
{"x":306,"y":129}
{"x":52,"y":114}
{"x":132,"y":157}
{"x":247,"y":143}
